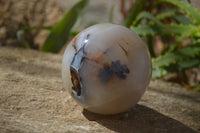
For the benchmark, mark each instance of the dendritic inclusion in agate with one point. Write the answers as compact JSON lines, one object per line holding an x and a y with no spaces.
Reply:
{"x":106,"y":68}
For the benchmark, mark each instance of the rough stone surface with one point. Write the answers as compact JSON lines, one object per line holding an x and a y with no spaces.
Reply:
{"x":32,"y":99}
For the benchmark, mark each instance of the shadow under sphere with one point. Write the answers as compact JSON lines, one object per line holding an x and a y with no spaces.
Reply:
{"x":139,"y":119}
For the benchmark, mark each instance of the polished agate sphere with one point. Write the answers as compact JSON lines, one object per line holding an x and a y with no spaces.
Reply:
{"x":106,"y":68}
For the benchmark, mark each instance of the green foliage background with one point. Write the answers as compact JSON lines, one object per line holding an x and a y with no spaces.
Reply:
{"x":179,"y":20}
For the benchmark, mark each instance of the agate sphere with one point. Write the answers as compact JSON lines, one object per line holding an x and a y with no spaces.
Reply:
{"x":106,"y":68}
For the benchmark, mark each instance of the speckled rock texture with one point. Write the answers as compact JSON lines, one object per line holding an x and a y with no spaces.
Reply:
{"x":32,"y":99}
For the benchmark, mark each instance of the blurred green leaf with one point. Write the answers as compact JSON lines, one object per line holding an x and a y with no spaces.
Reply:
{"x":148,"y":16}
{"x":166,"y":13}
{"x":152,"y":18}
{"x":187,"y":57}
{"x":183,"y":37}
{"x":153,"y":30}
{"x":185,"y":53}
{"x":136,"y":9}
{"x":59,"y":34}
{"x":74,"y":33}
{"x":21,"y":37}
{"x":182,"y":19}
{"x":196,"y":87}
{"x":179,"y":66}
{"x":189,"y":9}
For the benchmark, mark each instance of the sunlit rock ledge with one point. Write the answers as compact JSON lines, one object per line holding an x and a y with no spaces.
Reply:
{"x":32,"y":99}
